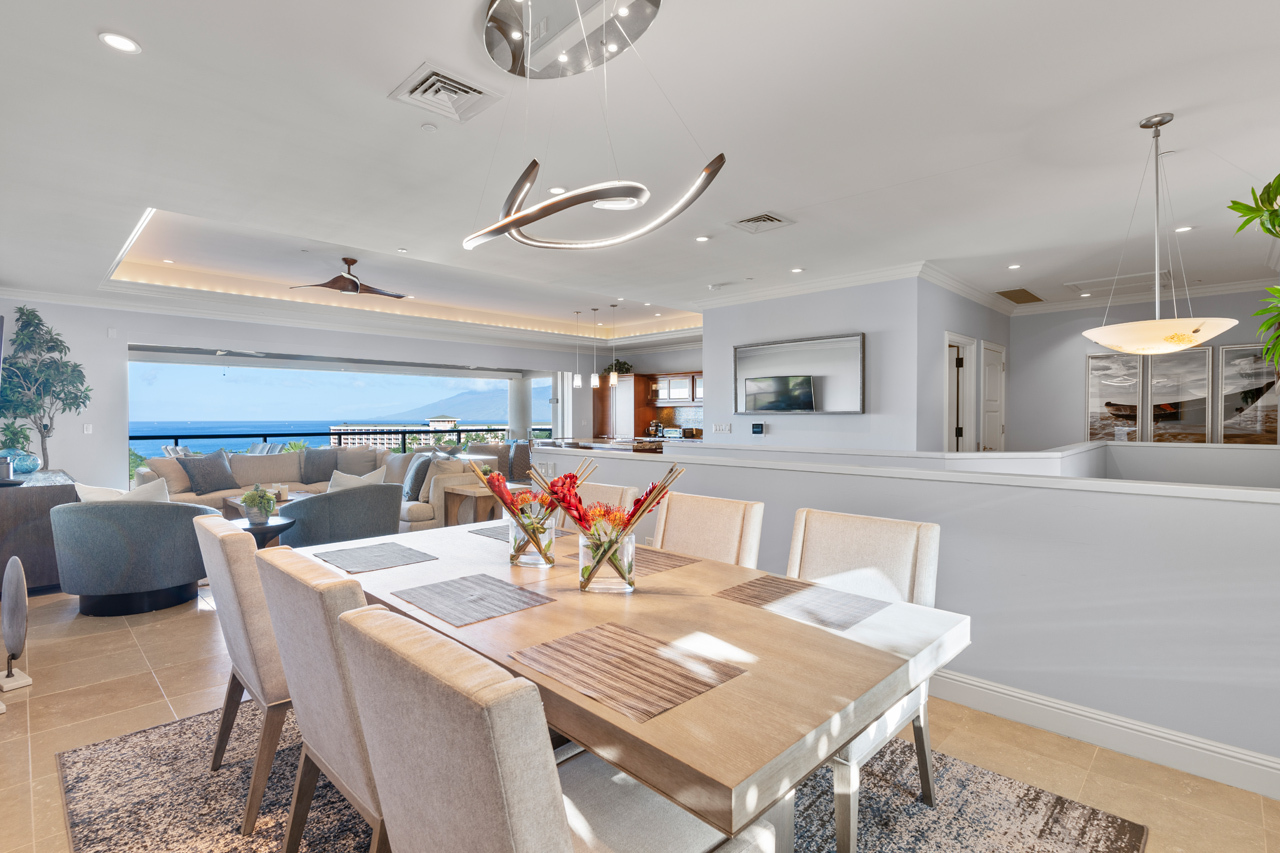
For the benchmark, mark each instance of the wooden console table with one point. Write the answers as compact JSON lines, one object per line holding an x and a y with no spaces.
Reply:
{"x":25,"y":530}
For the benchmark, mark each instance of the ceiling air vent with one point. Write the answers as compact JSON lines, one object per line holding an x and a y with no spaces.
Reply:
{"x":443,"y":94}
{"x":767,"y":221}
{"x":1020,"y":296}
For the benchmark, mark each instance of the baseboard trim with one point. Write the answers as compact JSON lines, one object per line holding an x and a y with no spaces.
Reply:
{"x":1220,"y":762}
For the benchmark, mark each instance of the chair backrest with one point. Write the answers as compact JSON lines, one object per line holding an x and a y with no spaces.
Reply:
{"x":355,"y":513}
{"x":710,"y":528}
{"x":229,"y":561}
{"x":305,"y":600}
{"x":118,"y":547}
{"x":623,"y":496}
{"x":901,"y":554}
{"x":458,"y":745}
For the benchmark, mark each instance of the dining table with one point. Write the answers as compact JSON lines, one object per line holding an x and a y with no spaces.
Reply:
{"x":701,"y":683}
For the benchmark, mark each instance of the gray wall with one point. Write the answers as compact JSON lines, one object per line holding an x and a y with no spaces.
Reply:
{"x":1046,"y":374}
{"x":941,"y":311}
{"x":884,"y":312}
{"x":685,"y":360}
{"x":102,"y":458}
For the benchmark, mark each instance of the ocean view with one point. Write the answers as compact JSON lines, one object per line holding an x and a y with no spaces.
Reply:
{"x":279,"y":431}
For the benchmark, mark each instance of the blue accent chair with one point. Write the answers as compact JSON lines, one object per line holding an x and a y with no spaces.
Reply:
{"x":355,"y":513}
{"x":125,"y":557}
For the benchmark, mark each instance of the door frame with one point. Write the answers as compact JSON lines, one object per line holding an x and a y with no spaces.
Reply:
{"x":1004,"y":387}
{"x":968,"y":402}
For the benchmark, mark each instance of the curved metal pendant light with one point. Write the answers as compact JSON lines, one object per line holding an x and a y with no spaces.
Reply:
{"x":514,"y":218}
{"x":1156,"y":337}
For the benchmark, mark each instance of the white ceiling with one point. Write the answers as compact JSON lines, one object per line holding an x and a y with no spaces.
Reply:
{"x":970,"y":135}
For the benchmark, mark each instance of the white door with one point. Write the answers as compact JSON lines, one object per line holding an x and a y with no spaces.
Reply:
{"x":993,"y":372}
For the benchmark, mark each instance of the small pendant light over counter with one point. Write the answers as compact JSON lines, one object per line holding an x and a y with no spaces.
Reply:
{"x":1156,"y":337}
{"x":577,"y":377}
{"x":595,"y":377}
{"x":613,"y":373}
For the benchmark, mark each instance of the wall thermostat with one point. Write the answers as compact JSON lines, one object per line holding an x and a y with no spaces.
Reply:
{"x":757,"y":429}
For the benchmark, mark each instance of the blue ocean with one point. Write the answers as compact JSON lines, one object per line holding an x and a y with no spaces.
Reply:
{"x":253,"y":432}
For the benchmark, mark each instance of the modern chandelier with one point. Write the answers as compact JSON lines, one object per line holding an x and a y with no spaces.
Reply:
{"x":539,"y":50}
{"x":1158,"y":336}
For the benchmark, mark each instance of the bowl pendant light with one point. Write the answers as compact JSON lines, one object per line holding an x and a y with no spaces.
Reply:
{"x":595,"y":377}
{"x":577,"y":377}
{"x":1158,"y":336}
{"x":613,"y":374}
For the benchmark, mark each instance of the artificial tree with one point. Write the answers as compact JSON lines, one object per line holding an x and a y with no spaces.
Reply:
{"x":1265,"y":211}
{"x":38,"y":381}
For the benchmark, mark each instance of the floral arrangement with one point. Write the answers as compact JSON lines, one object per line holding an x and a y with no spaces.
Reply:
{"x":259,"y":499}
{"x":607,"y":530}
{"x":529,"y":511}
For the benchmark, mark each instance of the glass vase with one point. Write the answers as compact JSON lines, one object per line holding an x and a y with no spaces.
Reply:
{"x":615,"y":572}
{"x":522,"y":551}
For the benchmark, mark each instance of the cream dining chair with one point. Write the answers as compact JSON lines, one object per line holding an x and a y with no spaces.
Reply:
{"x":711,"y":528}
{"x":881,"y":558}
{"x":592,"y":493}
{"x":459,"y":749}
{"x":305,"y":599}
{"x":228,"y":554}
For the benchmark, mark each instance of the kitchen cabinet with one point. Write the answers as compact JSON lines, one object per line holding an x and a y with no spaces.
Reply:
{"x":697,"y":388}
{"x":624,"y":410}
{"x":677,"y":389}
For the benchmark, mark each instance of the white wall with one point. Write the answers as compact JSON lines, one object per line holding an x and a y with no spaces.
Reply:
{"x":941,"y":311}
{"x":1120,"y":597}
{"x":1046,"y":375}
{"x":884,"y":312}
{"x":1217,"y":464}
{"x":683,"y":360}
{"x":102,"y":458}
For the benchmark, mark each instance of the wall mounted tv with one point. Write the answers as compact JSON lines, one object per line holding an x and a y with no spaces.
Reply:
{"x":803,"y":377}
{"x":779,"y":393}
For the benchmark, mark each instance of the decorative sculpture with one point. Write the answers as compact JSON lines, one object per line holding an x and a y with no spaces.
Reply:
{"x":13,"y":612}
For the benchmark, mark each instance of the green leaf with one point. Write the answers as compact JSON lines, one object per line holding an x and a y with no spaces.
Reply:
{"x":1247,"y":222}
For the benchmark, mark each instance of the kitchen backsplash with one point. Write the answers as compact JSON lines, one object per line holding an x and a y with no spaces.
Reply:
{"x":680,"y":416}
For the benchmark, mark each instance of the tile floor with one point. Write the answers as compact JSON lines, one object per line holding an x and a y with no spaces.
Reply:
{"x":97,"y":678}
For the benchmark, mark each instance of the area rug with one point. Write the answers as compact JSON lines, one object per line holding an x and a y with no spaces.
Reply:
{"x":153,"y":791}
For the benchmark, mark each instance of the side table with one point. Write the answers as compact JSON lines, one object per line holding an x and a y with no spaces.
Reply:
{"x":266,"y":532}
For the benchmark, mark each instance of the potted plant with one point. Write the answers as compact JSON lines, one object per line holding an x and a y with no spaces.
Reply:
{"x":618,"y":366}
{"x":15,"y":440}
{"x":1265,"y":211}
{"x":258,"y":504}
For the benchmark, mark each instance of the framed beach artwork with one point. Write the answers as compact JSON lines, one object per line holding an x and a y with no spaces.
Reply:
{"x":1247,"y":396}
{"x":1178,"y":389}
{"x":1115,"y":388}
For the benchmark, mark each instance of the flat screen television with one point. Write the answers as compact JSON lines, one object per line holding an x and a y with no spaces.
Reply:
{"x":779,"y":394}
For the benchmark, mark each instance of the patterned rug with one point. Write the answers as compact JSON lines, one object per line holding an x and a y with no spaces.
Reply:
{"x":152,"y":791}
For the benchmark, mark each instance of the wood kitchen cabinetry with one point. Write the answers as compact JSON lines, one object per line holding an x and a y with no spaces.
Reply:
{"x":625,"y":410}
{"x":677,"y":389}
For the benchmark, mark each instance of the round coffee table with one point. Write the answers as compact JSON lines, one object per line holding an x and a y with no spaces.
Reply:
{"x":268,"y":530}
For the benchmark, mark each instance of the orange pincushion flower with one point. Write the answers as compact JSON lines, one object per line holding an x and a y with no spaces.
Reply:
{"x":613,"y":515}
{"x":525,"y":500}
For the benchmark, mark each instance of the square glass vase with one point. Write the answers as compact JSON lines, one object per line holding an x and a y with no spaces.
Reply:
{"x":616,"y":573}
{"x":522,"y":551}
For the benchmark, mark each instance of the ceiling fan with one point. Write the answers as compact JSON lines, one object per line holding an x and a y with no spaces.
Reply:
{"x":349,"y":282}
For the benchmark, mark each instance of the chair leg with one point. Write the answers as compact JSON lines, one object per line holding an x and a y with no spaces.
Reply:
{"x":379,"y":843}
{"x":846,"y":781}
{"x":783,"y":817}
{"x":230,"y":707}
{"x":272,"y":723}
{"x":303,"y":790}
{"x":924,"y":755}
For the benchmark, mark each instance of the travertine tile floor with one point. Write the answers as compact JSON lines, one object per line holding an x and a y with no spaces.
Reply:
{"x":98,"y":678}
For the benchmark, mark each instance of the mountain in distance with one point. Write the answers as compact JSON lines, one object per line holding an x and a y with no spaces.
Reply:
{"x":474,"y":406}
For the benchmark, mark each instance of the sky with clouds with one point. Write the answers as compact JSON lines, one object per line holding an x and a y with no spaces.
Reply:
{"x":198,"y":392}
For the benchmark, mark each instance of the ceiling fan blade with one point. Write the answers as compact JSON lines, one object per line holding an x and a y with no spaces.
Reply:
{"x":377,"y":291}
{"x":338,"y":282}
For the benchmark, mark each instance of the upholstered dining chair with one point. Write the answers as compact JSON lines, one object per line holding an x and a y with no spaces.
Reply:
{"x":711,"y":528}
{"x":484,"y":779}
{"x":882,"y":558}
{"x":228,"y":553}
{"x":305,"y":599}
{"x":592,"y":493}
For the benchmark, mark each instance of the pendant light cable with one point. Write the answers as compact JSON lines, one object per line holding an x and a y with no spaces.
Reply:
{"x":586,"y":44}
{"x":1177,"y":245}
{"x":665,"y":96}
{"x":1125,"y":245}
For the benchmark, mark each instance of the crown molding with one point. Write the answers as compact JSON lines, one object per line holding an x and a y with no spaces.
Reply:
{"x":947,"y":281}
{"x":743,"y":294}
{"x":1138,"y":298}
{"x":692,"y":344}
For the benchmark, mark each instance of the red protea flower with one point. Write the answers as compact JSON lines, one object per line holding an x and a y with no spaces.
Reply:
{"x":639,"y":502}
{"x":498,"y":485}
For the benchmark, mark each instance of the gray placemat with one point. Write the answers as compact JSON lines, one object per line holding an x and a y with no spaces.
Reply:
{"x":797,"y":599}
{"x":500,"y":531}
{"x":370,"y":558}
{"x":474,"y":598}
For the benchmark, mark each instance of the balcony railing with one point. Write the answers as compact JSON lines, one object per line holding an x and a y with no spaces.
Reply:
{"x":404,"y":435}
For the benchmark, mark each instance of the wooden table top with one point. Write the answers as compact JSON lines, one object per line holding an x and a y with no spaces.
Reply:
{"x":730,"y":753}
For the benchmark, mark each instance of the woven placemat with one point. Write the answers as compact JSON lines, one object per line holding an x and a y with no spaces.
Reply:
{"x":650,"y":561}
{"x":371,"y":558}
{"x":797,"y":599}
{"x":628,"y":671}
{"x":474,"y":598}
{"x":500,"y":531}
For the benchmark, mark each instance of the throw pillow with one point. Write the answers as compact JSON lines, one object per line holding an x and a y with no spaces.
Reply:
{"x":416,"y":476}
{"x":156,"y":491}
{"x":440,"y":466}
{"x":398,"y":466}
{"x":339,"y":480}
{"x":172,"y":473}
{"x":210,"y":473}
{"x":266,"y":468}
{"x":318,"y":464}
{"x":357,"y":460}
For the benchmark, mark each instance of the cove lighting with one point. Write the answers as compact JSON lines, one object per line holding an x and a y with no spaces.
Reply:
{"x":124,"y":44}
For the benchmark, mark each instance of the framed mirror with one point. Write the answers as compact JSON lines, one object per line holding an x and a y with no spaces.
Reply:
{"x":804,"y":376}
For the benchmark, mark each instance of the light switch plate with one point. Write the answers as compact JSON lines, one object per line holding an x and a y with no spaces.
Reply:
{"x":648,"y":540}
{"x":88,"y":429}
{"x":722,"y":427}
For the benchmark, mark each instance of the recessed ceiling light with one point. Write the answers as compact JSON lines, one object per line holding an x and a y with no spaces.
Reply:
{"x":429,"y":127}
{"x":798,"y":269}
{"x":1015,"y":266}
{"x":623,"y":12}
{"x":124,"y":44}
{"x":411,"y":297}
{"x":646,"y":304}
{"x":564,"y":57}
{"x":657,"y":315}
{"x":402,"y":251}
{"x":167,"y":261}
{"x":1183,"y":228}
{"x":517,"y":35}
{"x":599,"y":324}
{"x":556,"y":190}
{"x":702,"y":239}
{"x":1083,"y":295}
{"x":613,"y":48}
